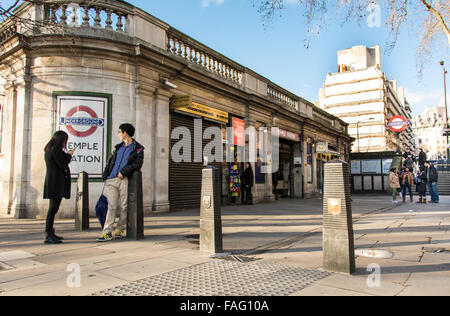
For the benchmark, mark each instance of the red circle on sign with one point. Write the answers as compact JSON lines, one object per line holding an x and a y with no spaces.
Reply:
{"x":88,"y":110}
{"x":400,"y":126}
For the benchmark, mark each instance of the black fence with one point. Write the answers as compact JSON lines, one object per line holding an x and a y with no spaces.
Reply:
{"x":441,"y":165}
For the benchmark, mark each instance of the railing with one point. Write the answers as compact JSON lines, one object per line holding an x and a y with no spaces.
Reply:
{"x":7,"y":32}
{"x":97,"y":14}
{"x":196,"y":53}
{"x":282,"y":97}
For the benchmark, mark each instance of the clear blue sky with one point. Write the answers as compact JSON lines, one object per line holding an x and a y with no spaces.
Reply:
{"x":234,"y":28}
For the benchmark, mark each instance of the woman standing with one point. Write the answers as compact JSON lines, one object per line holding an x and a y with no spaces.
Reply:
{"x":422,"y":185}
{"x":395,"y":184}
{"x":57,"y":180}
{"x":248,"y":183}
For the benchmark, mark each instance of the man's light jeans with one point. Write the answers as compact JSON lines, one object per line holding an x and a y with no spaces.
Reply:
{"x":432,"y":187}
{"x":116,"y":192}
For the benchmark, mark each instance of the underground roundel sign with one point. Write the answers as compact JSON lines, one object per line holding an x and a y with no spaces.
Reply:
{"x":398,"y":123}
{"x":85,"y":119}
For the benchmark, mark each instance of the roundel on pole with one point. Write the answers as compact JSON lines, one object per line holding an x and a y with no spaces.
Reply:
{"x":398,"y":124}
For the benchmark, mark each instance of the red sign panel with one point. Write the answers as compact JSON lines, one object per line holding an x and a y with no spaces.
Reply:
{"x":239,"y":132}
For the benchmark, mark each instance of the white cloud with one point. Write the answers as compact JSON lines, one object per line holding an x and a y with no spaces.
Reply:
{"x":207,"y":3}
{"x":421,"y":100}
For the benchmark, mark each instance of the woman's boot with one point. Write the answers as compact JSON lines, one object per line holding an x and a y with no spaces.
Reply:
{"x":51,"y":239}
{"x":57,"y":237}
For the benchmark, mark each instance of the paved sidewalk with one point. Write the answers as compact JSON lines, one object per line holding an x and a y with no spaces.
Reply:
{"x":264,"y":242}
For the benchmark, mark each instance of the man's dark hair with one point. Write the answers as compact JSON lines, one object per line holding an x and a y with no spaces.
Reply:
{"x":127,"y":128}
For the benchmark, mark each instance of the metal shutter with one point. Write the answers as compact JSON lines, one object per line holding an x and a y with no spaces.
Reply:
{"x":185,"y":178}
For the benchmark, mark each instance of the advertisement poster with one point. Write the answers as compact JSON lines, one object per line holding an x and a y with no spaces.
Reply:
{"x":85,"y":120}
{"x":371,"y":166}
{"x":239,"y":132}
{"x":356,"y":167}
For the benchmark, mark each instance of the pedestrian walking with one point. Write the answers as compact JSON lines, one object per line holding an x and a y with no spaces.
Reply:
{"x":407,"y":182}
{"x":432,"y":181}
{"x":275,"y":184}
{"x":127,"y":158}
{"x":409,"y":163}
{"x":248,"y":183}
{"x":57,"y":180}
{"x":422,"y":185}
{"x":422,"y":158}
{"x":394,"y":183}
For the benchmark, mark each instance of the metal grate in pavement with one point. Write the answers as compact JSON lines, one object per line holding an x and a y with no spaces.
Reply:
{"x":223,"y":278}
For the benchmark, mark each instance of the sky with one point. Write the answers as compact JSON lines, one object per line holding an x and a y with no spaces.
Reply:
{"x":234,"y":28}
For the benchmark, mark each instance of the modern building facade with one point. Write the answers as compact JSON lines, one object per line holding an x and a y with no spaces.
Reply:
{"x":361,"y":95}
{"x":116,"y":64}
{"x":428,"y":128}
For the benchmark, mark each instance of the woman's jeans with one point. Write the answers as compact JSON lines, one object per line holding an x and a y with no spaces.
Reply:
{"x":52,"y":210}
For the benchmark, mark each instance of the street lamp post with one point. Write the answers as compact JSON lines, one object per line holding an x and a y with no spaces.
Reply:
{"x":445,"y":102}
{"x":357,"y":129}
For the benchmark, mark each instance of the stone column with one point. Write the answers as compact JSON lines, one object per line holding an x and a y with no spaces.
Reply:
{"x":304,"y":145}
{"x":298,"y":183}
{"x":268,"y":188}
{"x":338,"y":240}
{"x":144,"y":135}
{"x":161,"y":154}
{"x":314,"y":170}
{"x":20,"y":156}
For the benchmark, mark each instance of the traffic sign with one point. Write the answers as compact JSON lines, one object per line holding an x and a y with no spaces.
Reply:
{"x":398,"y":124}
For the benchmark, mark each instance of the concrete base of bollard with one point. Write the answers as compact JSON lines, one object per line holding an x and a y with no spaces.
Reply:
{"x":210,"y":213}
{"x":135,"y":217}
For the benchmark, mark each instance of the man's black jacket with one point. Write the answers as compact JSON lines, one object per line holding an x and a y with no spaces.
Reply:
{"x":433,"y":174}
{"x":135,"y":161}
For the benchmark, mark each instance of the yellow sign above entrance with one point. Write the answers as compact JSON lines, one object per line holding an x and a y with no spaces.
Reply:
{"x":180,"y":101}
{"x":185,"y":104}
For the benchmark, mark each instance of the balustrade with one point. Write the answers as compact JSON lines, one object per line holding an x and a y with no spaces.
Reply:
{"x":204,"y":57}
{"x":87,"y":14}
{"x":282,"y":97}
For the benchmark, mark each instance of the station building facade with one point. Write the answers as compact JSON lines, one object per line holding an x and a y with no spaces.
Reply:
{"x":118,"y":64}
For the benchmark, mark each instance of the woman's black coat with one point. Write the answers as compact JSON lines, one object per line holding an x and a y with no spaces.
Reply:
{"x":423,"y":184}
{"x":247,"y":177}
{"x":58,"y":179}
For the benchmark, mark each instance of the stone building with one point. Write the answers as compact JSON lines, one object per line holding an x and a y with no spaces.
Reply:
{"x":86,"y":70}
{"x":361,"y":95}
{"x":428,"y":128}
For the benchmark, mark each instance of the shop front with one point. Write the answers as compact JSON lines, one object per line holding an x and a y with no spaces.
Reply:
{"x":289,"y":142}
{"x":192,"y":126}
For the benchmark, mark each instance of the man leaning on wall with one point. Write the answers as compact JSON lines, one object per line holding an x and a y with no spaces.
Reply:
{"x":127,"y":158}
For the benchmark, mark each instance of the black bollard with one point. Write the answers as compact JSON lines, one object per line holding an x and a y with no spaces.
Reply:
{"x":338,"y":240}
{"x":135,"y":217}
{"x":82,"y":203}
{"x":210,"y":212}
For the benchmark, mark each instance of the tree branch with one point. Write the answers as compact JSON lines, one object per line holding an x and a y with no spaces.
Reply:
{"x":439,"y":18}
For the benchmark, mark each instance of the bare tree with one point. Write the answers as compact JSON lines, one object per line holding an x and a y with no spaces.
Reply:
{"x":429,"y":19}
